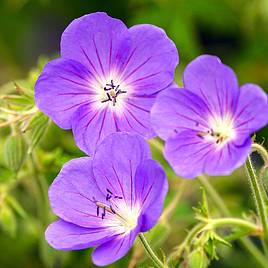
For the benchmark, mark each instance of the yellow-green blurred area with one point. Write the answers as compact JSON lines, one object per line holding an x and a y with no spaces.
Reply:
{"x":234,"y":30}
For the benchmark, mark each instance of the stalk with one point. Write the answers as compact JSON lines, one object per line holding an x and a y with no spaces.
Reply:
{"x":259,"y":199}
{"x":150,"y":252}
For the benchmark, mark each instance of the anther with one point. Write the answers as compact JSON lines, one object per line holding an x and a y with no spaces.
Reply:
{"x":109,"y":191}
{"x":103,"y":213}
{"x":112,"y":92}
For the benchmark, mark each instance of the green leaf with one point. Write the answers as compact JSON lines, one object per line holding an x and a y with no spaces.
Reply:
{"x":8,"y":220}
{"x":202,"y":210}
{"x":15,"y":152}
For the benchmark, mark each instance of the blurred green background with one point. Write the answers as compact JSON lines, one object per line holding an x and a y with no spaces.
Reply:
{"x":235,"y":30}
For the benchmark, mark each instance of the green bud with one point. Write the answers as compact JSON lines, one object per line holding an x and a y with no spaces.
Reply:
{"x":37,"y":128}
{"x":198,"y":259}
{"x":15,"y":152}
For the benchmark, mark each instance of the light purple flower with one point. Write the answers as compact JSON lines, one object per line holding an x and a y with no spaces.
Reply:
{"x":208,"y":123}
{"x":106,"y":79}
{"x":105,"y":202}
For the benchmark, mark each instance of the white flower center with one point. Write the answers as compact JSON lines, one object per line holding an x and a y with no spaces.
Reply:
{"x":221,"y":130}
{"x":116,"y":214}
{"x":127,"y":217}
{"x":110,"y":92}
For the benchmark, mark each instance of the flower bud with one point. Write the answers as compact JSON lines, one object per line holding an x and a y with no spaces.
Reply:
{"x":15,"y":151}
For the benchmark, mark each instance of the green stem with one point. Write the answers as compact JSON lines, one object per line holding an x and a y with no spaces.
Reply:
{"x":191,"y":235}
{"x":216,"y":223}
{"x":255,"y":186}
{"x":214,"y":195}
{"x":150,"y":252}
{"x":245,"y":242}
{"x":261,"y":151}
{"x":43,"y":188}
{"x":252,"y":228}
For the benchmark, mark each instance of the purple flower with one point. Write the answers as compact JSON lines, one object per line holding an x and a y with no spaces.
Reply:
{"x":106,"y":79}
{"x":208,"y":123}
{"x":107,"y":201}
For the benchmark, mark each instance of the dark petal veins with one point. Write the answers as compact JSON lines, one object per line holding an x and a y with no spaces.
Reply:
{"x":116,"y":160}
{"x":91,"y":126}
{"x":63,"y":86}
{"x":73,"y":193}
{"x":150,"y":190}
{"x":98,"y":41}
{"x":176,"y":110}
{"x":152,"y":61}
{"x":252,"y":110}
{"x":63,"y":235}
{"x":214,"y":82}
{"x":114,"y":249}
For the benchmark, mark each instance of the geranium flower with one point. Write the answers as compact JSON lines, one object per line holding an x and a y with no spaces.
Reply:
{"x":107,"y":201}
{"x":106,"y":79}
{"x":208,"y":123}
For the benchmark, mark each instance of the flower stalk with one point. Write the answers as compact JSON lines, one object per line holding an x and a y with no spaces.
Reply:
{"x":261,"y":151}
{"x":150,"y":252}
{"x":259,"y":199}
{"x":252,"y":228}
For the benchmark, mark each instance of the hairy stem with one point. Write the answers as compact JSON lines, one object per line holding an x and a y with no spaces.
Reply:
{"x":251,"y":227}
{"x":245,"y":242}
{"x":261,"y":151}
{"x":259,"y":199}
{"x":214,"y":195}
{"x":150,"y":252}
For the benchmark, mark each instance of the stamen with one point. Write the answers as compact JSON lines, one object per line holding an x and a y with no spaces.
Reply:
{"x":220,"y":132}
{"x":112,"y":92}
{"x":109,"y":191}
{"x":103,"y":213}
{"x":112,"y":209}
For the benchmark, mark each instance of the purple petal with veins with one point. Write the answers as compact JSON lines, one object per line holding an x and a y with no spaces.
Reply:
{"x":107,"y":78}
{"x":207,"y":124}
{"x":107,"y":200}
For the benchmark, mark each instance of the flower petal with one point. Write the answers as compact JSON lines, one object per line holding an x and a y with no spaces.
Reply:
{"x":115,"y":163}
{"x":190,"y":155}
{"x":90,"y":126}
{"x":61,"y":88}
{"x":63,"y":235}
{"x":150,"y":191}
{"x":186,"y":153}
{"x":136,"y":116}
{"x":252,"y":110}
{"x":73,"y":192}
{"x":230,"y":157}
{"x":214,"y":82}
{"x":152,"y":61}
{"x":176,"y":110}
{"x":114,"y":249}
{"x":98,"y":41}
